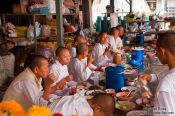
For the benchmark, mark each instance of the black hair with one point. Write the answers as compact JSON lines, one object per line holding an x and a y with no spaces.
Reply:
{"x":167,"y":40}
{"x":37,"y":61}
{"x":59,"y":50}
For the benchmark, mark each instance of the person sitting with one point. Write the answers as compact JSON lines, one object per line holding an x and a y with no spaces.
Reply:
{"x":164,"y":97}
{"x":101,"y":50}
{"x":100,"y":105}
{"x":59,"y":67}
{"x":79,"y":39}
{"x":26,"y":89}
{"x":120,"y":30}
{"x":81,"y":66}
{"x":121,"y":33}
{"x":115,"y":41}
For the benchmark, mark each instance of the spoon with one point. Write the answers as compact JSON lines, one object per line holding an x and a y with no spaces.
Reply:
{"x":129,"y":93}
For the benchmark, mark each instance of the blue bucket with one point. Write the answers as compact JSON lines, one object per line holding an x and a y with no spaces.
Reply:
{"x":140,"y":39}
{"x":138,"y":54}
{"x":138,"y":64}
{"x":115,"y":77}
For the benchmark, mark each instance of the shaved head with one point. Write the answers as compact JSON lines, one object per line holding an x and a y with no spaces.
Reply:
{"x":167,"y":41}
{"x":119,"y":27}
{"x":37,"y":61}
{"x":80,"y":39}
{"x":101,"y":34}
{"x":105,"y":101}
{"x":60,"y":50}
{"x":120,"y":30}
{"x":113,"y":30}
{"x":81,"y":48}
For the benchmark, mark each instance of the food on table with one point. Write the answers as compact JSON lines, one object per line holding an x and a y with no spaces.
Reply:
{"x":93,"y":92}
{"x":110,"y":91}
{"x":130,"y":88}
{"x":123,"y":96}
{"x":130,"y":82}
{"x":94,"y":87}
{"x":124,"y":105}
{"x":137,"y":113}
{"x":140,"y":100}
{"x":145,"y":92}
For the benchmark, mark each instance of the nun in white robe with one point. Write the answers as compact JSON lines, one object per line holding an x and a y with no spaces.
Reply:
{"x":116,"y":43}
{"x":98,"y":53}
{"x":79,"y":70}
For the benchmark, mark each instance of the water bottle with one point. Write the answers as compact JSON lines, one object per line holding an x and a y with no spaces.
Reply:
{"x":98,"y":24}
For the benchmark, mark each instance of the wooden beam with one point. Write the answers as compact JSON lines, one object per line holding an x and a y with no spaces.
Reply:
{"x":112,"y":4}
{"x":59,"y":19}
{"x":87,"y":14}
{"x":130,"y":6}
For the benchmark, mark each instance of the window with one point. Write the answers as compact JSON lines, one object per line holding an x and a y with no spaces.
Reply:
{"x":99,"y":9}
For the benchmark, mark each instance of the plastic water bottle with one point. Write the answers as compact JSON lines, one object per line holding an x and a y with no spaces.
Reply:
{"x":98,"y":24}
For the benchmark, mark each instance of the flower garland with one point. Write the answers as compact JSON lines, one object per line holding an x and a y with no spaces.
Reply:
{"x":39,"y":111}
{"x":12,"y":108}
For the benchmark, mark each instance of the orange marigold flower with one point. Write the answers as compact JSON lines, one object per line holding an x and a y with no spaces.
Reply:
{"x":12,"y":108}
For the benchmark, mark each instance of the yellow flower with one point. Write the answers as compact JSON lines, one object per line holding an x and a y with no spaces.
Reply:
{"x":12,"y":108}
{"x":1,"y":114}
{"x":39,"y":111}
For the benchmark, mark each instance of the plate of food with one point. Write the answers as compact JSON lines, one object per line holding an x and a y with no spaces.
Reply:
{"x":141,"y":101}
{"x":137,"y":113}
{"x":53,"y":98}
{"x":124,"y":105}
{"x":91,"y":93}
{"x":130,"y":70}
{"x":123,"y":96}
{"x":130,"y":88}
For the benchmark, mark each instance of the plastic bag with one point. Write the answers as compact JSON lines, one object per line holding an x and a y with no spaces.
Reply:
{"x":30,"y":32}
{"x":38,"y":29}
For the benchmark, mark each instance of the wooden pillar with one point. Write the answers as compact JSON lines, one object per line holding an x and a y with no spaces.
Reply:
{"x":130,"y":6}
{"x":112,"y":4}
{"x":59,"y":19}
{"x":87,"y":14}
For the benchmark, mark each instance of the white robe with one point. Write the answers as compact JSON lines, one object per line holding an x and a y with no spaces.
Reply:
{"x":99,"y":58}
{"x":72,"y":52}
{"x":79,"y":69}
{"x":69,"y":105}
{"x":59,"y":70}
{"x":165,"y":92}
{"x":116,"y":44}
{"x":26,"y":89}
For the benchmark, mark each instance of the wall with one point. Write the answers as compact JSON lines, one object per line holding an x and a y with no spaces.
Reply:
{"x":6,"y":6}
